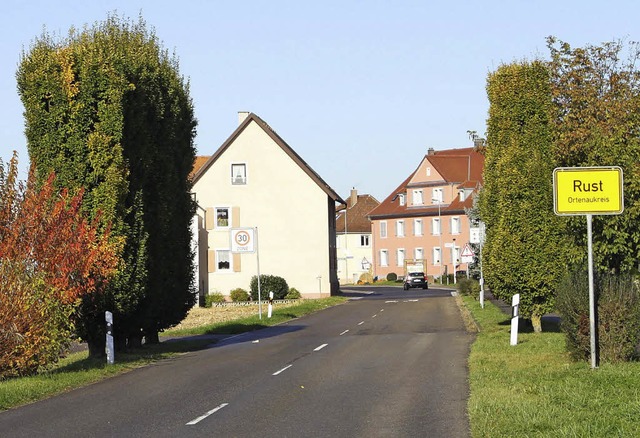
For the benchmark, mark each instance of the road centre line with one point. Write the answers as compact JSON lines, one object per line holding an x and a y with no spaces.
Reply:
{"x":202,"y":417}
{"x":374,"y":315}
{"x":283,"y":369}
{"x":344,"y":332}
{"x":361,"y":322}
{"x":391,"y":301}
{"x":320,"y":347}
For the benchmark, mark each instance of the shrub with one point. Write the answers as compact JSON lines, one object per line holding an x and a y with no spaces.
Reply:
{"x":269,"y":283}
{"x":294,"y":294}
{"x":239,"y":294}
{"x":392,"y":276}
{"x":618,"y":309}
{"x":366,"y":278}
{"x":215,"y":297}
{"x":469,"y":287}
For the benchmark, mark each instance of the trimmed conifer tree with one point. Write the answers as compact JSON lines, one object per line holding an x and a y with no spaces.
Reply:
{"x":524,"y":250}
{"x":107,"y":109}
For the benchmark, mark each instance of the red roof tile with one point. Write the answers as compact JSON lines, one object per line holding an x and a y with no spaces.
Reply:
{"x":462,"y":167}
{"x":357,"y":215}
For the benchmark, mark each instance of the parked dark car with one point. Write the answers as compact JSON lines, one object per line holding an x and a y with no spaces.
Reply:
{"x":415,"y":279}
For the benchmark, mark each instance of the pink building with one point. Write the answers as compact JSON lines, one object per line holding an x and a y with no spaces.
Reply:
{"x":424,"y":219}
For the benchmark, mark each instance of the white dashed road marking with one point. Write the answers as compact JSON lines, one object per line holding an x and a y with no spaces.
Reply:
{"x":344,"y":332}
{"x":202,"y":417}
{"x":320,"y":347}
{"x":283,"y":369}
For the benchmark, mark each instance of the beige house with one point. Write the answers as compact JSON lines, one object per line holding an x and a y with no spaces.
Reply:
{"x":256,"y":180}
{"x":353,"y":237}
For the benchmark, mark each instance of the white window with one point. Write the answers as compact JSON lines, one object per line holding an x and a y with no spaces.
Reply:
{"x":401,"y":198}
{"x":417,"y":197}
{"x":364,"y":240}
{"x":435,"y":226}
{"x":384,"y":257}
{"x":418,"y":254}
{"x":417,"y":227}
{"x":436,"y":196}
{"x":400,"y":256}
{"x":223,"y":217}
{"x":238,"y":173}
{"x":462,"y":195}
{"x":383,"y":229}
{"x":428,"y":171}
{"x":400,"y":228}
{"x":436,"y":255}
{"x":223,"y":259}
{"x":455,"y":225}
{"x":455,"y":255}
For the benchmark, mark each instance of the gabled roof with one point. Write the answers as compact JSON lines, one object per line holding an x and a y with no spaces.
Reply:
{"x":462,"y":167}
{"x":357,"y":215}
{"x":197,"y":174}
{"x":197,"y":164}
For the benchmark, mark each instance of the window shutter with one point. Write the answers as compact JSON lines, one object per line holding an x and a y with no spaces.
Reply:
{"x":209,"y":218}
{"x":211,"y":262}
{"x":235,"y":217}
{"x":237,"y":266}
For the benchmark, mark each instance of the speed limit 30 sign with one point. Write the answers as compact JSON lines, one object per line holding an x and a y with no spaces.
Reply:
{"x":242,"y":240}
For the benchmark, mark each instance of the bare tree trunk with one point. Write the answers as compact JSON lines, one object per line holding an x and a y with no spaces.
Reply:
{"x":536,"y":322}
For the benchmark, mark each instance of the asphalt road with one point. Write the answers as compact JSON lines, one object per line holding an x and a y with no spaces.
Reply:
{"x":388,"y":363}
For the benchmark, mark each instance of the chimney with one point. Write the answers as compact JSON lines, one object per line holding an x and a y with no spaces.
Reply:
{"x":354,"y":196}
{"x":430,"y":151}
{"x":242,"y":115}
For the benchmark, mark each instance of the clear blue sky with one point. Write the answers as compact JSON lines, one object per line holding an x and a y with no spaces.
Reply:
{"x":360,"y":89}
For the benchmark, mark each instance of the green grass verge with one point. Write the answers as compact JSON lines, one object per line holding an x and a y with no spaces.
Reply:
{"x":535,"y":389}
{"x":78,"y":370}
{"x":251,"y":323}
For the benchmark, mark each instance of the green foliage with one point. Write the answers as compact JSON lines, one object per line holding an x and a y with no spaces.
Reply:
{"x":269,"y":283}
{"x":524,"y":250}
{"x":108,"y":110}
{"x":212,"y":298}
{"x":392,"y":276}
{"x":618,"y":315}
{"x":596,"y":95}
{"x":239,"y":294}
{"x":293,"y":294}
{"x":469,"y":287}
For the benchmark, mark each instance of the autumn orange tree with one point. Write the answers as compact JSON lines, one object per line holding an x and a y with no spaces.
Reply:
{"x":50,"y":257}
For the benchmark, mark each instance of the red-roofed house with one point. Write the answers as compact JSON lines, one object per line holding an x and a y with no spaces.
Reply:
{"x":256,"y":180}
{"x":424,"y":218}
{"x":353,"y":237}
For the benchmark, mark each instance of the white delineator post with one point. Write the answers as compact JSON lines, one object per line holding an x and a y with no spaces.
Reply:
{"x":515,"y":314}
{"x":108,"y":316}
{"x":270,"y":308}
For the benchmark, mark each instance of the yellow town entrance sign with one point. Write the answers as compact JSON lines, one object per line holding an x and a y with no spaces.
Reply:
{"x":587,"y":190}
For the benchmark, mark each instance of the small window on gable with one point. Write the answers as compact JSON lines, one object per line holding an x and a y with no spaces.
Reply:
{"x":428,"y":171}
{"x":238,"y":174}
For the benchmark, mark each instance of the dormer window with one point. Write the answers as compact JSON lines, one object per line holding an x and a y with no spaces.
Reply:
{"x":401,"y":198}
{"x":239,"y":174}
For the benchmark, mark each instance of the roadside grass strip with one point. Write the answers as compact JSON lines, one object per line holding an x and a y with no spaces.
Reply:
{"x":535,"y":389}
{"x":77,"y":370}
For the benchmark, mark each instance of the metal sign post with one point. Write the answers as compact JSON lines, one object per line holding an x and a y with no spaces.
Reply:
{"x":588,"y":191}
{"x":243,"y":241}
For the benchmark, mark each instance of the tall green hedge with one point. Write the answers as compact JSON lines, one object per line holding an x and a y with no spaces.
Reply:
{"x":524,"y":250}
